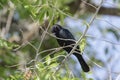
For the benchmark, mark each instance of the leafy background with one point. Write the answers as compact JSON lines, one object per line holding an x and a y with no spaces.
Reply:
{"x":29,"y":51}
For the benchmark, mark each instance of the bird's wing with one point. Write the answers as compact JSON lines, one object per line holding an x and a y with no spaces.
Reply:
{"x":64,"y":33}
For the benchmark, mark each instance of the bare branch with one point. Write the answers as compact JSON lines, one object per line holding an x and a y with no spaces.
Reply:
{"x":9,"y":20}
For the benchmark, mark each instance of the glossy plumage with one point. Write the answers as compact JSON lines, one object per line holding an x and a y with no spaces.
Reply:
{"x":67,"y":40}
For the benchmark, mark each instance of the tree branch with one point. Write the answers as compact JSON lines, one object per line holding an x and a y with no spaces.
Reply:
{"x":91,"y":8}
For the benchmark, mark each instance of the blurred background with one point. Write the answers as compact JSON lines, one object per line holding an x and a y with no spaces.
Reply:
{"x":29,"y":51}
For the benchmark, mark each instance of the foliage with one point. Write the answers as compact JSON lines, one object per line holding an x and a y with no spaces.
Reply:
{"x":42,"y":9}
{"x":7,"y":45}
{"x":44,"y":71}
{"x":34,"y":58}
{"x":7,"y":57}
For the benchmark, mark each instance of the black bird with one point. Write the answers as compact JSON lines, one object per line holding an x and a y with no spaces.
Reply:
{"x":65,"y":38}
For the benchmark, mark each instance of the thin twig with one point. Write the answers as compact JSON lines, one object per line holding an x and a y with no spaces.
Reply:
{"x":10,"y":16}
{"x":109,"y":73}
{"x":89,"y":4}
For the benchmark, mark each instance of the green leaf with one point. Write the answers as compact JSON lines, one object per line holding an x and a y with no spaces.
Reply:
{"x":62,"y":18}
{"x":41,"y":15}
{"x":54,"y":65}
{"x":48,"y":60}
{"x":82,"y":44}
{"x":86,"y":23}
{"x":6,"y":44}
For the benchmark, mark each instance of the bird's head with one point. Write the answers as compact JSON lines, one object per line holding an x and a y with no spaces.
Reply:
{"x":56,"y":29}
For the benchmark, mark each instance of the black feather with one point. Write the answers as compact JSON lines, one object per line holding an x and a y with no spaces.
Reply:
{"x":65,"y":38}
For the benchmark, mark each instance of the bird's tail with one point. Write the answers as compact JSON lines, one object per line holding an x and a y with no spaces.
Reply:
{"x":84,"y":65}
